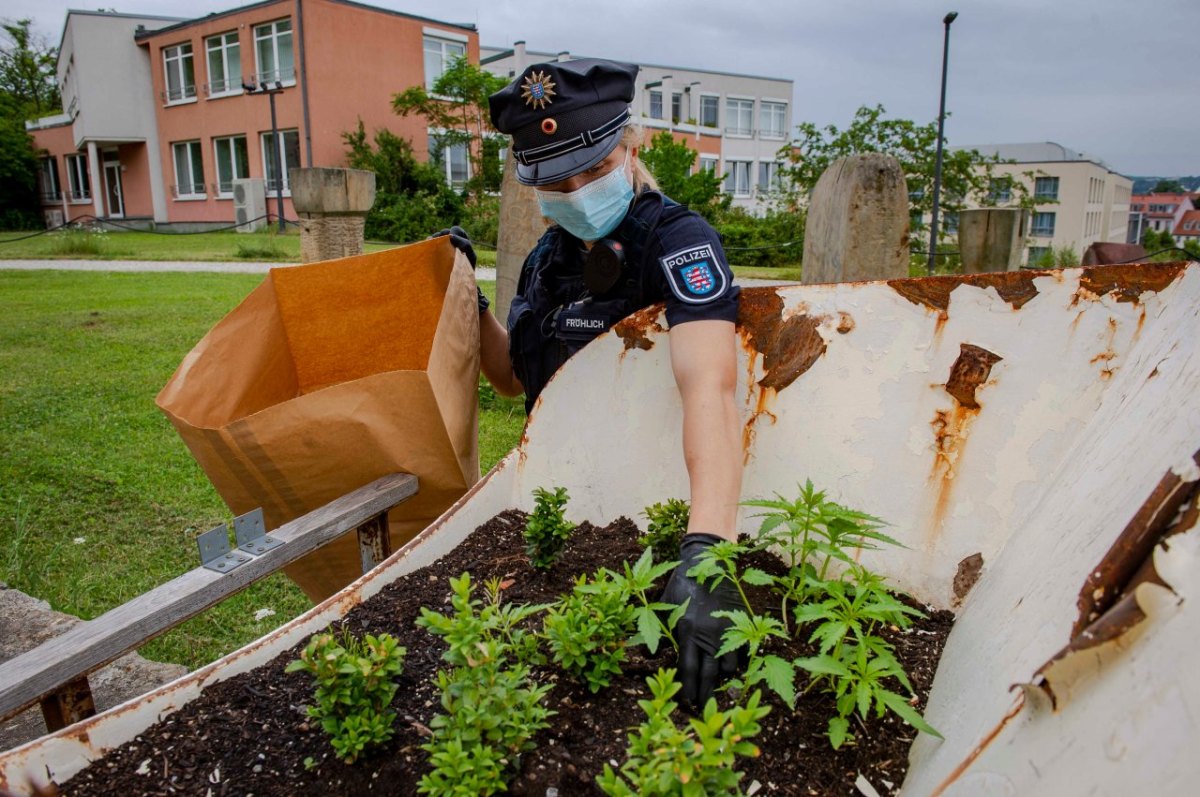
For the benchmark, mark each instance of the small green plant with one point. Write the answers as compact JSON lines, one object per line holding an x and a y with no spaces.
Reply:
{"x":547,"y":531}
{"x":668,"y":524}
{"x":79,"y":240}
{"x":654,"y":620}
{"x":665,"y":760}
{"x":355,"y":682}
{"x":587,"y":630}
{"x":259,"y":251}
{"x":491,"y":708}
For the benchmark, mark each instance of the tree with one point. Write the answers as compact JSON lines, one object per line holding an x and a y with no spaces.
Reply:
{"x":671,"y":162}
{"x":1168,"y":187}
{"x":966,"y":174}
{"x":412,"y":199}
{"x":458,"y":108}
{"x":27,"y":71}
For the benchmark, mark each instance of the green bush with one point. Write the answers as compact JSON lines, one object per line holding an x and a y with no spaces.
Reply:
{"x":355,"y":682}
{"x":668,"y":524}
{"x":759,"y":241}
{"x":547,"y":531}
{"x":78,"y":241}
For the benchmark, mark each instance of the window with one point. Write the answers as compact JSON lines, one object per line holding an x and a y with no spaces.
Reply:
{"x":181,"y":73}
{"x":656,"y":111}
{"x":48,"y":180}
{"x":1037,"y":254}
{"x":451,"y":159}
{"x":708,"y":163}
{"x":768,"y":176}
{"x":708,"y":109}
{"x":950,"y":223}
{"x":224,"y":64}
{"x":1043,"y":225}
{"x":676,"y":107}
{"x":737,"y":178}
{"x":439,"y":55}
{"x":233,"y":163}
{"x":77,"y":178}
{"x":772,"y":116}
{"x":273,"y":51}
{"x":289,"y":154}
{"x":1045,"y":188}
{"x":739,"y":117}
{"x":189,"y":170}
{"x":1000,"y":190}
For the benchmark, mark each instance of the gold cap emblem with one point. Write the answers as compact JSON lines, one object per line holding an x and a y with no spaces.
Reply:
{"x":537,"y":90}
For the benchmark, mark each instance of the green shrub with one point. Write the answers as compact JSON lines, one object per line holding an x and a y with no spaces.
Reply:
{"x":759,"y":241}
{"x":547,"y":531}
{"x":668,"y":524}
{"x":587,"y":630}
{"x":79,"y":241}
{"x":355,"y":682}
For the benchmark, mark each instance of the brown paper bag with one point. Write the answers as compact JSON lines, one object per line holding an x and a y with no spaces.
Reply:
{"x":330,"y":375}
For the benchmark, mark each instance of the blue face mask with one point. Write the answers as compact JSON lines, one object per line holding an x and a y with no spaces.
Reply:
{"x":591,"y":212}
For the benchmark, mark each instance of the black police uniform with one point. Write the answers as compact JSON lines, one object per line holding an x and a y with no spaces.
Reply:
{"x":564,"y":118}
{"x":671,"y":255}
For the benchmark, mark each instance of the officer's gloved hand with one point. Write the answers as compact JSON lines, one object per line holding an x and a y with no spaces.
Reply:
{"x":698,"y":632}
{"x":461,"y":241}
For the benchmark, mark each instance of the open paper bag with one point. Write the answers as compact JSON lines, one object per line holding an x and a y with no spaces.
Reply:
{"x":330,"y":375}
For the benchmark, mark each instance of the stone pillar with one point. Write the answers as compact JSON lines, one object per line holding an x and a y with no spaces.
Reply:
{"x":857,"y":227}
{"x":991,"y":239}
{"x":332,"y":205}
{"x":521,"y":225}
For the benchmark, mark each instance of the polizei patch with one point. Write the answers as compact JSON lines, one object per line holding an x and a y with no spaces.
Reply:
{"x":695,"y":274}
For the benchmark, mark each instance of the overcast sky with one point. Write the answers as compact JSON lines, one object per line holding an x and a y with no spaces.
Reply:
{"x":1115,"y":79}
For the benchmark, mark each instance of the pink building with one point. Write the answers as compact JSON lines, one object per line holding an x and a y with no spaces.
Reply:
{"x":159,"y":121}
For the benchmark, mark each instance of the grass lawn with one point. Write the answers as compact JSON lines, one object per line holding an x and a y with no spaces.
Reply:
{"x":99,"y":499}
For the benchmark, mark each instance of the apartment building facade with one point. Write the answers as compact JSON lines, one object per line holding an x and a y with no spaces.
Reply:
{"x":1078,"y":201}
{"x":160,"y":119}
{"x":736,"y":123}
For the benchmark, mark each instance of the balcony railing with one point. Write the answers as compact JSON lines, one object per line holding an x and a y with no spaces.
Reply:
{"x":179,"y":94}
{"x":286,"y":76}
{"x":51,"y":196}
{"x":188,"y":190}
{"x":84,"y":195}
{"x":217,"y":88}
{"x":739,"y":131}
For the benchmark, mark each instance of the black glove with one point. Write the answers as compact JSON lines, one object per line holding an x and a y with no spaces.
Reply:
{"x":698,"y":632}
{"x":461,"y":241}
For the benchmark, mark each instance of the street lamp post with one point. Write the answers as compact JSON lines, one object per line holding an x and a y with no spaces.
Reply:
{"x":276,"y":151}
{"x":937,"y":168}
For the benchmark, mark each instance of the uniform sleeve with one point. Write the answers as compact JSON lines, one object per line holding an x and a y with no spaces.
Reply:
{"x":692,"y":273}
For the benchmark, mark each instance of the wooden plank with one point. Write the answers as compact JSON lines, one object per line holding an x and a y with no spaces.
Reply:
{"x":374,"y":542}
{"x":68,"y":705}
{"x":26,"y":679}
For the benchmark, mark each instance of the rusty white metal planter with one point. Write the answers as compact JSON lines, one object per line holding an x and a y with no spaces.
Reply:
{"x":1032,"y":437}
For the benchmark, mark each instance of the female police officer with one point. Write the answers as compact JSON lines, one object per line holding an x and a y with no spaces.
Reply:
{"x":618,"y":245}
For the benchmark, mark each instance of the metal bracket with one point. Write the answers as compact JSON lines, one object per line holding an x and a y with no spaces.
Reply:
{"x":215,"y":553}
{"x":250,"y":531}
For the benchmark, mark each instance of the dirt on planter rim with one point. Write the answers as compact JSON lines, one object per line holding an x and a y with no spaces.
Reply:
{"x":250,"y":734}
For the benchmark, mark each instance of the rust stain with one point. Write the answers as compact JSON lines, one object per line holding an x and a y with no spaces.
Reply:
{"x":1107,"y":604}
{"x":765,"y":398}
{"x":1014,"y":287}
{"x":968,"y":573}
{"x":979,"y":748}
{"x":950,"y":438}
{"x":788,"y":347}
{"x":845,"y":322}
{"x":1128,"y":282}
{"x":970,"y":370}
{"x":634,"y":329}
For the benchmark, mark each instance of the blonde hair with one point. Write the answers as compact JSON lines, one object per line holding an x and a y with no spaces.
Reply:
{"x":634,"y":137}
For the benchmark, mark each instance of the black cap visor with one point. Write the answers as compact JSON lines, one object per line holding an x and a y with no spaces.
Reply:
{"x":568,"y":164}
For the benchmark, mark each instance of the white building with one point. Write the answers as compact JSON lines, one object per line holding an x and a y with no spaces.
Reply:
{"x":737,"y":123}
{"x":1079,"y":200}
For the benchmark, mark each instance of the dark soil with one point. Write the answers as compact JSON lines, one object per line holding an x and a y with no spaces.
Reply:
{"x":250,"y":735}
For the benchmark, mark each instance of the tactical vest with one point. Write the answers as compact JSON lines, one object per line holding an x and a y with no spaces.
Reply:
{"x":553,"y":316}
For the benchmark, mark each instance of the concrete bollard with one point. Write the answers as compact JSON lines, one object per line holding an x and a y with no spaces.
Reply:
{"x":521,"y":225}
{"x":991,"y":239}
{"x":857,"y":227}
{"x":332,"y":205}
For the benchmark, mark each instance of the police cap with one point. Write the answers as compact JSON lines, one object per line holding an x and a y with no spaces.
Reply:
{"x":564,"y":116}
